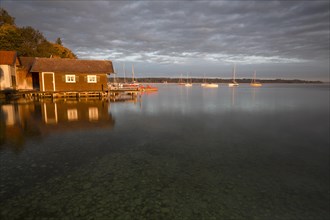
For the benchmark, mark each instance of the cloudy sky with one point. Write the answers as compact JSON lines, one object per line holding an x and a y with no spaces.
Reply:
{"x":278,"y":39}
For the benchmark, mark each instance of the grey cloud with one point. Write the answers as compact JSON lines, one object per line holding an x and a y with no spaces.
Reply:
{"x":183,"y":32}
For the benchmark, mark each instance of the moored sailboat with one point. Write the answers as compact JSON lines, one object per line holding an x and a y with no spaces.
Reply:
{"x":254,"y":83}
{"x":134,"y":83}
{"x":209,"y":85}
{"x":148,"y":88}
{"x":188,"y":83}
{"x":233,"y":83}
{"x":181,"y":83}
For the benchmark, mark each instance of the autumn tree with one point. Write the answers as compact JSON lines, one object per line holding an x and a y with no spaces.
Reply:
{"x":10,"y":38}
{"x":58,"y":41}
{"x":31,"y":41}
{"x":28,"y":41}
{"x":5,"y":18}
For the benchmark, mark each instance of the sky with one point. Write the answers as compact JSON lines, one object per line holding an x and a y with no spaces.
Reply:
{"x":277,"y":39}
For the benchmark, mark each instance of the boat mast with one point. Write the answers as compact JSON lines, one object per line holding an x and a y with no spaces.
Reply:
{"x":114,"y":75}
{"x":124,"y":73}
{"x":133,"y":73}
{"x":234,"y":73}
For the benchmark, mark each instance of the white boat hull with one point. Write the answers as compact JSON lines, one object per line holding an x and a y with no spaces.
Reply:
{"x":233,"y":84}
{"x":255,"y":84}
{"x":210,"y":85}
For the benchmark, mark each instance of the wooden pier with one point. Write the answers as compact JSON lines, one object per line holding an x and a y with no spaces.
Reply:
{"x":113,"y":94}
{"x":64,"y":94}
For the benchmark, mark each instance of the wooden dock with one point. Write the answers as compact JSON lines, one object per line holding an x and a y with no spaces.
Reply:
{"x":63,"y":94}
{"x":33,"y":94}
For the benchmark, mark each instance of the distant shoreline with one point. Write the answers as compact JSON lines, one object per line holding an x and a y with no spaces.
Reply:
{"x":216,"y":80}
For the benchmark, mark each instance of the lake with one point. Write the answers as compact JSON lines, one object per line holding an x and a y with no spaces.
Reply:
{"x":179,"y":153}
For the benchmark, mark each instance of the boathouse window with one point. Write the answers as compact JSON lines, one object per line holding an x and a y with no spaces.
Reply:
{"x":70,"y":78}
{"x":93,"y":113}
{"x":72,"y":114}
{"x":91,"y":79}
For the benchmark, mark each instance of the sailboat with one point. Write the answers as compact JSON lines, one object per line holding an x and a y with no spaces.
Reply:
{"x":134,"y":83}
{"x":181,"y":83}
{"x":211,"y":85}
{"x":114,"y":84}
{"x":120,"y":84}
{"x":254,"y":83}
{"x":233,"y":83}
{"x":208,"y":85}
{"x":188,"y":83}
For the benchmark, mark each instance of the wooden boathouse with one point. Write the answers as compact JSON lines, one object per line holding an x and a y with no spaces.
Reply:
{"x":70,"y":75}
{"x":8,"y":63}
{"x":59,"y":78}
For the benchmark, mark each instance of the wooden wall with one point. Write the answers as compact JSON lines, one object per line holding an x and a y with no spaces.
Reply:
{"x":81,"y":83}
{"x":23,"y":79}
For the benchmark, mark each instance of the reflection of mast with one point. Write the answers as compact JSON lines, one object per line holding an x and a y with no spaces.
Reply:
{"x":140,"y":101}
{"x":233,"y":96}
{"x":253,"y":94}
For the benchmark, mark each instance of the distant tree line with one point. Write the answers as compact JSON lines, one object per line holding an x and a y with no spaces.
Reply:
{"x":211,"y":80}
{"x":28,"y":41}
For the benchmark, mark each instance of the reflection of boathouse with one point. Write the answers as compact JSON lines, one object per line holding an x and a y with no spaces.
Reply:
{"x":75,"y":112}
{"x":20,"y":122}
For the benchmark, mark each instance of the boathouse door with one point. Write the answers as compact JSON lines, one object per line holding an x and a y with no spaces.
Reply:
{"x":48,"y":81}
{"x":49,"y":113}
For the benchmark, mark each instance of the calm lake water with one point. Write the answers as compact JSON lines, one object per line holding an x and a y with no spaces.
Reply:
{"x":181,"y":153}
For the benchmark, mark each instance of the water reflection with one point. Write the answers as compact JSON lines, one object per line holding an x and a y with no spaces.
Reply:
{"x":183,"y":153}
{"x":21,"y":121}
{"x":232,"y":96}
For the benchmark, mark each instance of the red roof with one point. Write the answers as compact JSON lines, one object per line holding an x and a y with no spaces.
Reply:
{"x":7,"y":57}
{"x":26,"y":62}
{"x":71,"y":65}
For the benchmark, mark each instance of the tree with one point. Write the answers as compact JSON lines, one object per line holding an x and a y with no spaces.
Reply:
{"x":5,"y":18}
{"x":28,"y":41}
{"x":31,"y":41}
{"x":10,"y":39}
{"x":63,"y":52}
{"x":58,"y":41}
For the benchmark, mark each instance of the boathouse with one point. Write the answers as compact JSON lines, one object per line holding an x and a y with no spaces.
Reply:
{"x":8,"y":63}
{"x":23,"y":74}
{"x":62,"y":75}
